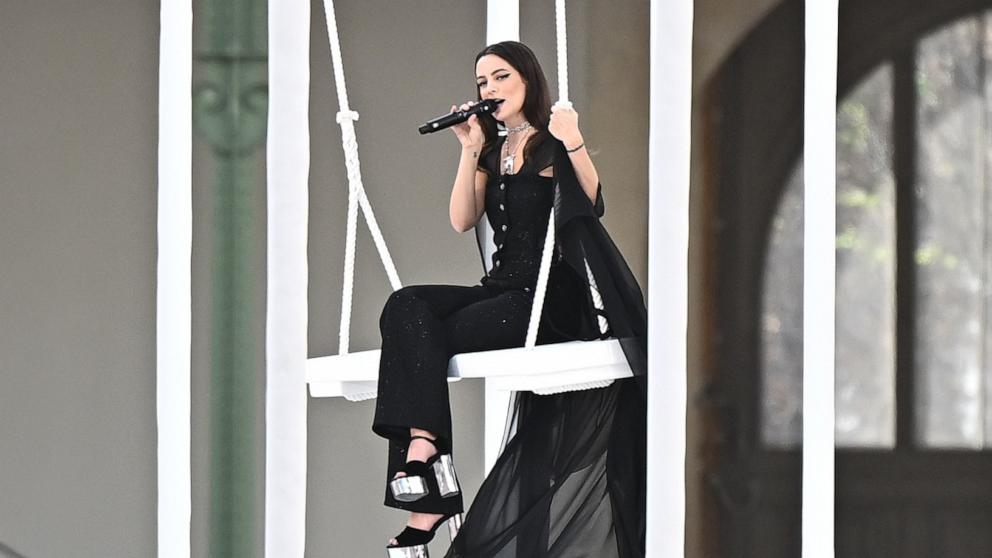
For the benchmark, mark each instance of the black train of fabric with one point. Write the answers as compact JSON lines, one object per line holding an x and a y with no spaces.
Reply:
{"x":571,"y":479}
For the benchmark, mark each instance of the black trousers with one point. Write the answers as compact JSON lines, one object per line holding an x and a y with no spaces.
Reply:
{"x":422,"y":328}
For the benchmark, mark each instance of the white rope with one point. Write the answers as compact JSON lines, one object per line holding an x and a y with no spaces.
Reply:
{"x":542,"y":283}
{"x":597,"y":299}
{"x":348,"y":284}
{"x":549,"y":240}
{"x":562,"y":46}
{"x":349,"y":141}
{"x":346,"y":118}
{"x":335,"y":42}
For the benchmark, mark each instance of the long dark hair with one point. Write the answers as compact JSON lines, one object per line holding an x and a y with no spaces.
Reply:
{"x":537,"y":99}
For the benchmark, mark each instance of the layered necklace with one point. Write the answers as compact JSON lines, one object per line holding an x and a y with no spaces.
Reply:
{"x":509,"y":155}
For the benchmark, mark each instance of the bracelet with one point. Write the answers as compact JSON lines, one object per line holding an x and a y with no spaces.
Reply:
{"x":578,"y":147}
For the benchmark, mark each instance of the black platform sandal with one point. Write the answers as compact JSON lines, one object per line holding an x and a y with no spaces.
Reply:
{"x":437,"y":473}
{"x":412,"y":542}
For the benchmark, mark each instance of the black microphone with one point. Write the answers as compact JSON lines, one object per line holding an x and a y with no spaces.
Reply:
{"x":448,"y":120}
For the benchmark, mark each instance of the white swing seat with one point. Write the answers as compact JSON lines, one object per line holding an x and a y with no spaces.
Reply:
{"x":543,"y":369}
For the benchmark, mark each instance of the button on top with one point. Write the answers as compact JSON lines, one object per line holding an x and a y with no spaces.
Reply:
{"x":502,"y":186}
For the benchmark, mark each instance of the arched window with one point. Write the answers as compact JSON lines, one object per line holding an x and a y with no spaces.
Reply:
{"x":914,"y":282}
{"x":948,"y":268}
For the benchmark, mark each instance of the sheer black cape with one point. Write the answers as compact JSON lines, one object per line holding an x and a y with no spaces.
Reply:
{"x":571,"y":479}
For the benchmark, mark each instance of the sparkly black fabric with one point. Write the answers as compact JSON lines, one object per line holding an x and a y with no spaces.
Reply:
{"x":423,"y":326}
{"x":517,"y":206}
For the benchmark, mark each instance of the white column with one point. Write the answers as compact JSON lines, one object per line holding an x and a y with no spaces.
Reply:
{"x":288,"y":165}
{"x":502,"y":24}
{"x":668,"y":245}
{"x":818,"y":278}
{"x":173,"y":300}
{"x":502,"y":21}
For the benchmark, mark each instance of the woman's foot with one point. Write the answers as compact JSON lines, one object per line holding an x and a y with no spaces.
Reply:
{"x":413,"y":480}
{"x":421,"y":521}
{"x":419,"y":448}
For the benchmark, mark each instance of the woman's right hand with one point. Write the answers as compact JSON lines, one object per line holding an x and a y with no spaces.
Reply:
{"x":469,"y":133}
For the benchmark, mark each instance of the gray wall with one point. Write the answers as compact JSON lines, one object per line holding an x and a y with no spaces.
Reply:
{"x":77,"y":286}
{"x":77,"y":238}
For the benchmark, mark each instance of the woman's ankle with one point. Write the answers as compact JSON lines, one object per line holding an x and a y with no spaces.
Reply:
{"x":419,"y":432}
{"x":423,"y":521}
{"x":420,"y":450}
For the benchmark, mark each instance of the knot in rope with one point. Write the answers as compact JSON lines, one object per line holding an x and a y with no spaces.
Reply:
{"x":347,"y":115}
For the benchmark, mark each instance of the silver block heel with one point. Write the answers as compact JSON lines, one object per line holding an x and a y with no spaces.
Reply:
{"x":447,"y":480}
{"x":419,"y":551}
{"x":409,"y":489}
{"x":414,"y":487}
{"x":454,"y":525}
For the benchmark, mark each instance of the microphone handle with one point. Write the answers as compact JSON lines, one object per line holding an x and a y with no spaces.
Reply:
{"x":448,"y":120}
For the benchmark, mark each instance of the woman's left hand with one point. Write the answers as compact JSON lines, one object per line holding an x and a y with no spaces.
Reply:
{"x":564,"y":126}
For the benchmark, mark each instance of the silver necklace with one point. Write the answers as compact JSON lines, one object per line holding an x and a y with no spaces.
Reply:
{"x":509,"y":156}
{"x":519,"y":128}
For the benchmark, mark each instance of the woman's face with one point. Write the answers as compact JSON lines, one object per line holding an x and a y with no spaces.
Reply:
{"x":497,"y":79}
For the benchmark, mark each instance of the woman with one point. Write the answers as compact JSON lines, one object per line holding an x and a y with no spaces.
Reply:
{"x":581,"y":450}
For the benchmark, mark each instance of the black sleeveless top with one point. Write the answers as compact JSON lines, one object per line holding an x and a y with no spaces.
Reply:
{"x":518,"y":206}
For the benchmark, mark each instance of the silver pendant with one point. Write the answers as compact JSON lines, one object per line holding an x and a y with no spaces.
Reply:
{"x":508,"y":164}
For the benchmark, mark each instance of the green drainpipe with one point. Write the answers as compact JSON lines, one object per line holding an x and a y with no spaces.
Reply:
{"x":230,"y":102}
